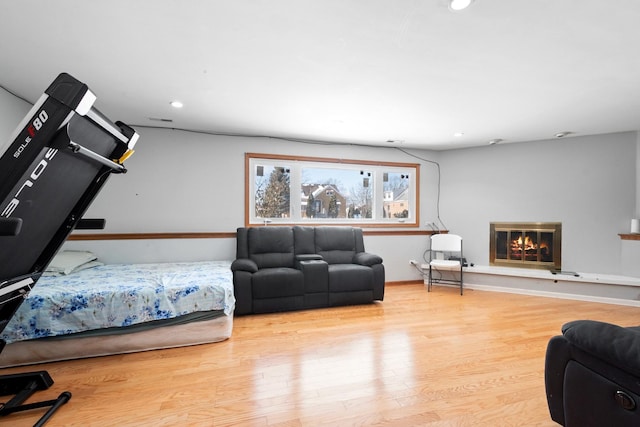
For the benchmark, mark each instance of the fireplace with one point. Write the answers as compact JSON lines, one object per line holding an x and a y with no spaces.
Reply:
{"x":526,"y":244}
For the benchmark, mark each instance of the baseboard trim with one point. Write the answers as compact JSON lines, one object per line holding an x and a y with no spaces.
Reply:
{"x":560,"y":295}
{"x":403,"y":282}
{"x":546,"y":294}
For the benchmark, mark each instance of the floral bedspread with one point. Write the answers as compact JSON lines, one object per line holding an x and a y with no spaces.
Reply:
{"x":120,"y":295}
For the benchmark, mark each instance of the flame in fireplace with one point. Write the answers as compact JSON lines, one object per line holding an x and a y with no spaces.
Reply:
{"x":527,"y":245}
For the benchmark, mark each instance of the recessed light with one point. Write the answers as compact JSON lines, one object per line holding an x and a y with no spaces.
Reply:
{"x":562,"y":134}
{"x":457,"y":134}
{"x":176,"y":104}
{"x":495,"y":141}
{"x":458,"y":5}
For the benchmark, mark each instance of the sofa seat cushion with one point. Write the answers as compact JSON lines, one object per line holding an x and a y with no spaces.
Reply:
{"x":349,"y":278}
{"x":277,"y":282}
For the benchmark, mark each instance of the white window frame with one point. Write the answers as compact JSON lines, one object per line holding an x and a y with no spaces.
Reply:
{"x":295,"y":164}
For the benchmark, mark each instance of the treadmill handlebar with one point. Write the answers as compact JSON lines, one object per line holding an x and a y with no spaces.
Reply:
{"x":77,"y":148}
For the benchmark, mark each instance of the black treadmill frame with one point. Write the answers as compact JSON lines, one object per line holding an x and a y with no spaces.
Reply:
{"x":60,"y":157}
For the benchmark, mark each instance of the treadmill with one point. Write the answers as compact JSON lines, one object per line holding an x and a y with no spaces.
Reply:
{"x":51,"y":169}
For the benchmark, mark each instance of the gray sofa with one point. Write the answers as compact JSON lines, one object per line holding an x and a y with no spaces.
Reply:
{"x":293,"y":268}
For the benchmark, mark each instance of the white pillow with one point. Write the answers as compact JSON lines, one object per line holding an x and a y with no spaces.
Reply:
{"x":66,"y":262}
{"x":87,"y":266}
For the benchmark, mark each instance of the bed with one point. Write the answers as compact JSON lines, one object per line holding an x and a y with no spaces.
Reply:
{"x":91,"y":309}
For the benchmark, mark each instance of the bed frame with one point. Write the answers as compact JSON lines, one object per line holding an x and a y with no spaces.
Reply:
{"x":57,"y":349}
{"x":51,"y":169}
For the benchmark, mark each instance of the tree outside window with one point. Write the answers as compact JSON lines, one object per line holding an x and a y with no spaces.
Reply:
{"x":273,"y":193}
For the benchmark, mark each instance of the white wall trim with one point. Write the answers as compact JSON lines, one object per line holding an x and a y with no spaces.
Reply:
{"x":610,"y":279}
{"x":546,"y":294}
{"x":588,"y":298}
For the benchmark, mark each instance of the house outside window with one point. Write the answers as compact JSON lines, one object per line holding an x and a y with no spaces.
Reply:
{"x":322,"y":201}
{"x":396,"y":191}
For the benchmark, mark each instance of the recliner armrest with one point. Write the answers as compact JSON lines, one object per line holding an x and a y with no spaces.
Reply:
{"x":244,"y":264}
{"x":617,"y":345}
{"x":365,"y":258}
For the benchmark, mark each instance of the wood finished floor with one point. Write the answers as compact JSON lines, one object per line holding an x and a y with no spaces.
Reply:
{"x":417,"y":359}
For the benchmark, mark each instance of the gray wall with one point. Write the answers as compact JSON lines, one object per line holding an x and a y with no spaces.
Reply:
{"x":183,"y":181}
{"x":637,"y":212}
{"x":587,"y":182}
{"x":12,"y":111}
{"x":188,"y":182}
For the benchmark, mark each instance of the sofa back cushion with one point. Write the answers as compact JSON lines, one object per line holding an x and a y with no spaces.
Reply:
{"x":337,"y":245}
{"x":271,"y":246}
{"x":304,"y":239}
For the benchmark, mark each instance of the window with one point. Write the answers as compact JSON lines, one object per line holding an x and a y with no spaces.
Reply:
{"x":310,"y":190}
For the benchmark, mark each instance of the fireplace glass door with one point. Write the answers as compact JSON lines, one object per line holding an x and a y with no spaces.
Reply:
{"x":529,"y":245}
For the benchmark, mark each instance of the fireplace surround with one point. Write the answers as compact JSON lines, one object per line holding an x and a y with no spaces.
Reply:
{"x":526,"y":245}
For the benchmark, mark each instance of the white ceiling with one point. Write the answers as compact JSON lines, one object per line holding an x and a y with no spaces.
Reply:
{"x":354,"y":71}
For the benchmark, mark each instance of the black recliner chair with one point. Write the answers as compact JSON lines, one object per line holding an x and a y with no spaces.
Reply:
{"x":592,"y":375}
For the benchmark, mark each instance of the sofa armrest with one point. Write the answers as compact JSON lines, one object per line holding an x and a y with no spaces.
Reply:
{"x":365,"y":258}
{"x":614,"y":344}
{"x":244,"y":264}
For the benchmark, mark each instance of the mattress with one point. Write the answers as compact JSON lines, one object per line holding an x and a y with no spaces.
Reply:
{"x":120,"y":295}
{"x":121,"y":308}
